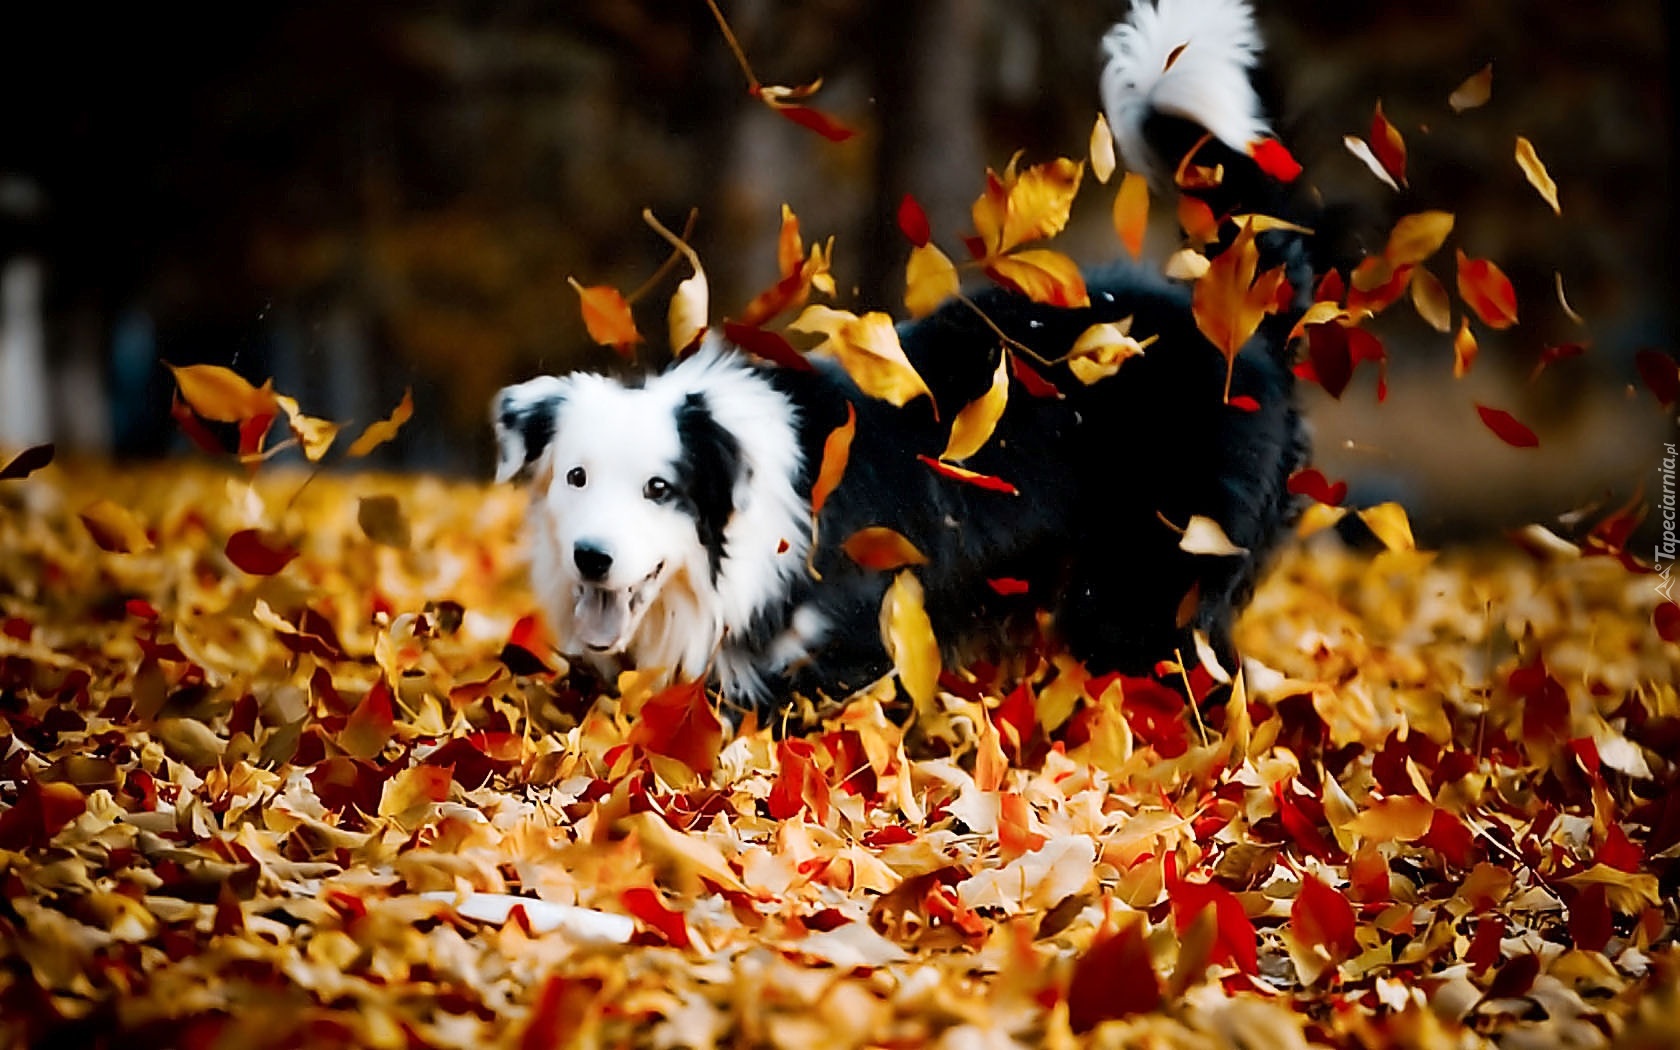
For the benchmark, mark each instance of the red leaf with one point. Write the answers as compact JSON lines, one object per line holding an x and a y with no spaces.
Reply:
{"x":1515,"y":978}
{"x":1113,"y":978}
{"x":27,"y":462}
{"x":1236,"y":941}
{"x":799,"y":785}
{"x":1448,"y":836}
{"x":1327,"y":348}
{"x":1590,"y":922}
{"x":1275,"y":160}
{"x":259,"y":553}
{"x":40,"y":812}
{"x":1666,"y":618}
{"x":969,"y":477}
{"x":1619,"y":852}
{"x":679,"y":723}
{"x":768,"y":346}
{"x":643,"y":902}
{"x":1486,"y":290}
{"x":1310,"y":482}
{"x":1030,"y":380}
{"x":1244,"y":403}
{"x":1661,"y":375}
{"x":1322,"y":917}
{"x":1484,"y":945}
{"x":817,"y":121}
{"x":1505,"y":425}
{"x":913,"y":221}
{"x":1016,"y":718}
{"x":1553,"y":354}
{"x":1008,"y":586}
{"x":1015,"y":834}
{"x":193,"y":427}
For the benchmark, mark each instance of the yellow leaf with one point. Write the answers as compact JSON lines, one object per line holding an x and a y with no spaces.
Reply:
{"x":1400,"y":818}
{"x":868,"y":349}
{"x":1417,"y":237}
{"x":381,"y":431}
{"x":1268,"y":223}
{"x":929,"y":279}
{"x":1102,"y":150}
{"x":1429,"y":297}
{"x":1464,"y":349}
{"x":1203,"y":535}
{"x":314,"y":435}
{"x":1535,"y":171}
{"x":1101,"y":349}
{"x":1186,"y":264}
{"x":1388,"y":522}
{"x":1628,"y":893}
{"x":1039,"y":202}
{"x":908,"y":635}
{"x":1131,"y":212}
{"x":1229,"y":301}
{"x":114,"y":528}
{"x":881,"y":549}
{"x":606,"y":316}
{"x":223,"y":395}
{"x":974,"y":424}
{"x":688,"y":312}
{"x":1474,"y":91}
{"x":1318,"y":517}
{"x":1042,"y":275}
{"x":837,"y":451}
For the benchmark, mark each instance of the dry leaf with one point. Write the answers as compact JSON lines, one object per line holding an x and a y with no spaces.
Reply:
{"x":1535,"y":171}
{"x":868,"y":349}
{"x":974,"y":424}
{"x":1474,"y":91}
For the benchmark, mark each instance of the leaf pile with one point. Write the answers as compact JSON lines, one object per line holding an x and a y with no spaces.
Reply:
{"x":1438,"y":808}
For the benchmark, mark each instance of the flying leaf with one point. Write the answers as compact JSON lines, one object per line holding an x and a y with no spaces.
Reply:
{"x":1229,"y":301}
{"x":1131,"y":212}
{"x":1486,"y":290}
{"x":880,"y":548}
{"x":1474,"y":91}
{"x":1535,"y":171}
{"x":767,"y":346}
{"x":1429,"y":298}
{"x":1275,"y":160}
{"x":1186,"y":264}
{"x":114,"y":528}
{"x":1312,"y":483}
{"x":974,"y":424}
{"x":969,"y":477}
{"x":382,"y":521}
{"x":1464,"y":349}
{"x":1101,"y":349}
{"x":688,"y":312}
{"x":1417,"y":237}
{"x":837,"y":451}
{"x":1196,"y":219}
{"x":930,"y":278}
{"x":221,"y":394}
{"x":1362,"y":150}
{"x":1027,"y":206}
{"x":1507,"y":427}
{"x":1203,"y":535}
{"x":868,"y":349}
{"x":908,"y":635}
{"x":606,"y":316}
{"x":1042,"y":275}
{"x":381,"y":431}
{"x":790,"y":249}
{"x":315,"y":436}
{"x":1660,"y":373}
{"x":1553,"y":354}
{"x":913,"y":221}
{"x":815,"y":120}
{"x":1388,"y":146}
{"x":1102,"y":149}
{"x":259,"y":553}
{"x":1389,"y":524}
{"x":27,"y":462}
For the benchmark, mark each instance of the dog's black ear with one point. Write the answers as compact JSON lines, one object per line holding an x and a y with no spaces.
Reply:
{"x":707,"y":474}
{"x":525,"y":416}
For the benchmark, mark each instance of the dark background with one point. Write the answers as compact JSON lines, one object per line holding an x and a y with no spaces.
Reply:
{"x":353,"y":197}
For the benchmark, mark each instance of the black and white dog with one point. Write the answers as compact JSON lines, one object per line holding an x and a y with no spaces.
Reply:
{"x":671,"y":518}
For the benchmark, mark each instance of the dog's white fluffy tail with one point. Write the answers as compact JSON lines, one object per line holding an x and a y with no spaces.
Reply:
{"x":1184,"y":58}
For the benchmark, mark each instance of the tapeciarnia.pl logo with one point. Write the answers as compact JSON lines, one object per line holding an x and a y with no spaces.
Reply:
{"x":1667,"y":545}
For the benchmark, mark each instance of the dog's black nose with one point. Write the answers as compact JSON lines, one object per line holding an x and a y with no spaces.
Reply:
{"x":592,"y":561}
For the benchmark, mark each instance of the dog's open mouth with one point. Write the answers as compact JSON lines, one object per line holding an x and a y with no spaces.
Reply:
{"x":605,"y":618}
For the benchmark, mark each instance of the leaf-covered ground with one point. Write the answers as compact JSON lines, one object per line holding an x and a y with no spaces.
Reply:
{"x":1445,"y":815}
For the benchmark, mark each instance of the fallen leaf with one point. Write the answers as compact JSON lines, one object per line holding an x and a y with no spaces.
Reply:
{"x":259,"y":553}
{"x":382,"y":520}
{"x":114,"y":528}
{"x":1203,"y":535}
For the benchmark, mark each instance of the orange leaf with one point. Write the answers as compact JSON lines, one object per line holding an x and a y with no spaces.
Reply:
{"x":974,"y":424}
{"x":1464,"y":349}
{"x":1535,"y":171}
{"x":679,"y":723}
{"x":930,"y":278}
{"x":1474,"y":91}
{"x":607,"y":316}
{"x":1131,"y":212}
{"x":1509,"y":429}
{"x":1388,"y":146}
{"x":1197,"y":220}
{"x":377,"y":433}
{"x":1102,"y":150}
{"x":1417,"y":237}
{"x":868,"y":349}
{"x":878,"y":547}
{"x":1486,"y":290}
{"x":114,"y":528}
{"x":1388,"y":522}
{"x":790,"y":250}
{"x":413,"y":787}
{"x":1229,"y":301}
{"x":1042,"y":275}
{"x":223,"y":395}
{"x":837,"y":451}
{"x":1101,"y":349}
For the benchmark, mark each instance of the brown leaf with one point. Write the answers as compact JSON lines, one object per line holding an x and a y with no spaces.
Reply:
{"x":113,"y":528}
{"x":381,"y":431}
{"x":1474,"y":91}
{"x":382,"y":520}
{"x":27,"y":462}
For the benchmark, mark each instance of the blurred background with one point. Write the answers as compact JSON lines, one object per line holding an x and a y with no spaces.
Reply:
{"x":356,"y":197}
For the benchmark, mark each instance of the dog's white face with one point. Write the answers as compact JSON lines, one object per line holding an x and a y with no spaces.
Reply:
{"x":662,"y":515}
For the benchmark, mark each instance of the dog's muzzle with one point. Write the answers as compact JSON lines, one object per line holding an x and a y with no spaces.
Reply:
{"x":605,"y":618}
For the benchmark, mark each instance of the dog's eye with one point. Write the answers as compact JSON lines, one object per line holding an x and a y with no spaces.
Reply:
{"x":576,"y":478}
{"x":657,"y":489}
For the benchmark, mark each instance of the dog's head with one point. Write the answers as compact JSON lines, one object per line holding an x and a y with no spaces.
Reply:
{"x":634,"y":490}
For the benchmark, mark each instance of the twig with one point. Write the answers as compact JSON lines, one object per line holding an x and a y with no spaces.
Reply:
{"x":734,"y":46}
{"x":668,"y":265}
